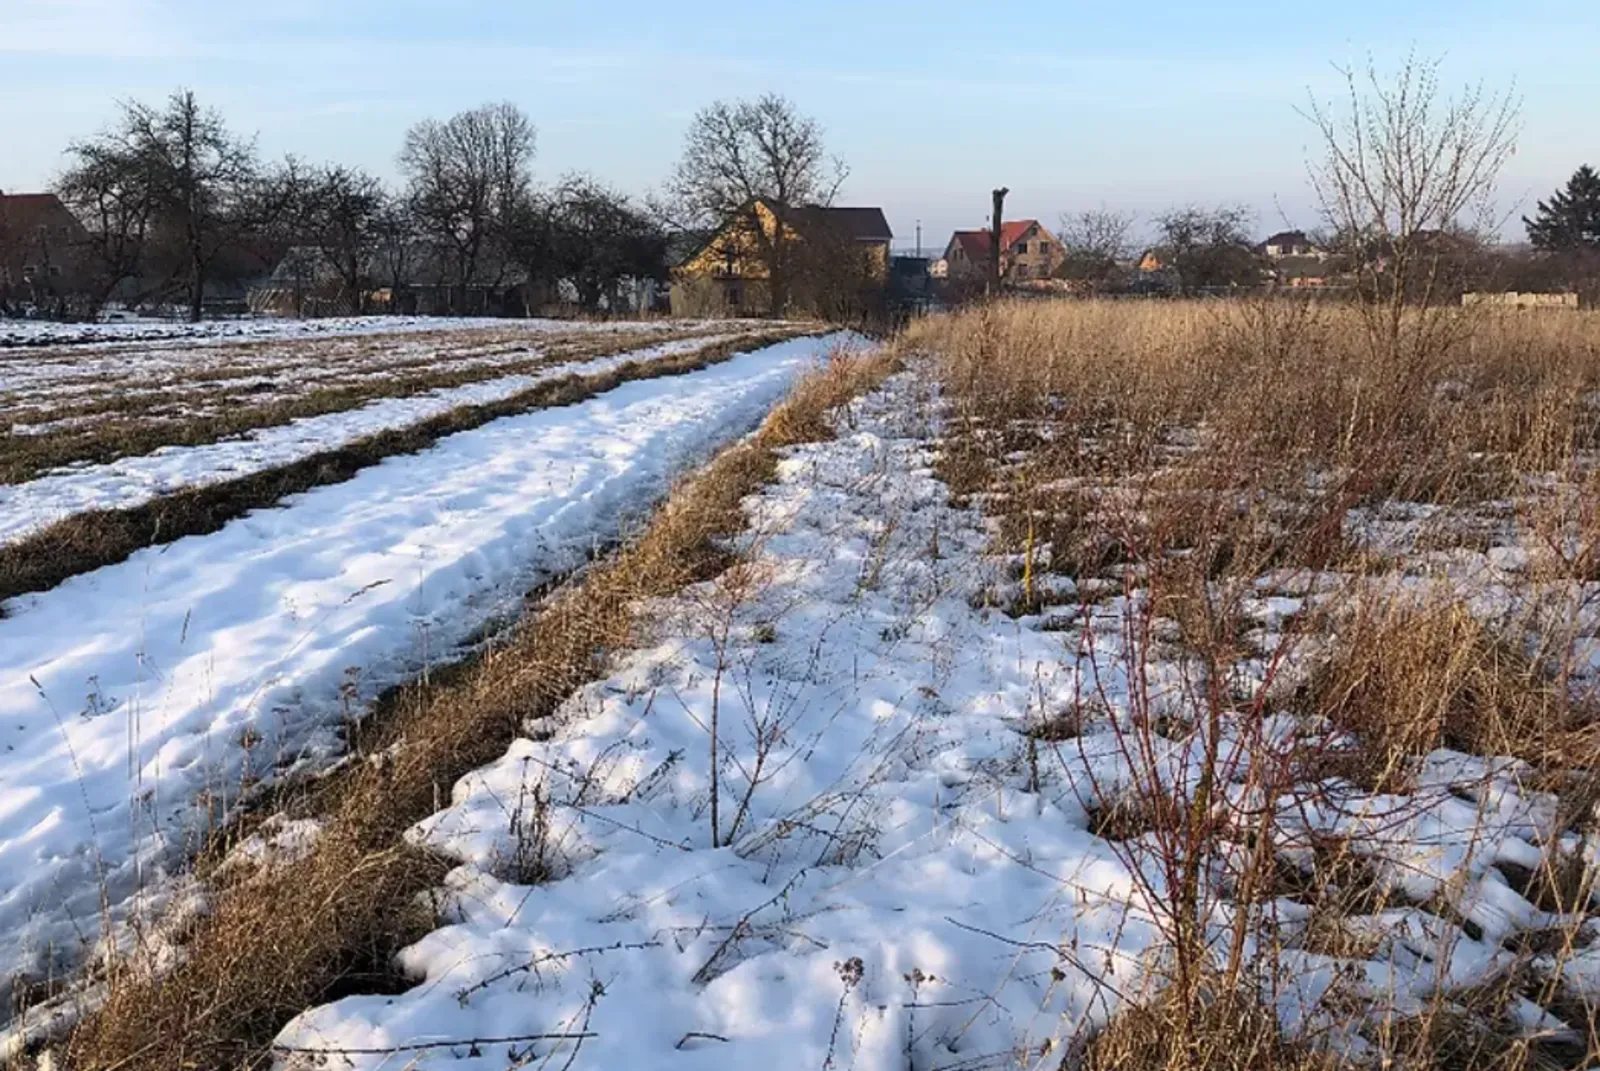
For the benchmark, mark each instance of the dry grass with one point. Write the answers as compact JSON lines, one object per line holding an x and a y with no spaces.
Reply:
{"x":289,"y":938}
{"x":1194,"y":458}
{"x":90,"y":540}
{"x":1226,"y":1031}
{"x":1407,"y":677}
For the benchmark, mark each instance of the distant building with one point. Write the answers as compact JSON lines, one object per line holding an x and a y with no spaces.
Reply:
{"x":911,"y":282}
{"x":1027,"y":251}
{"x":837,"y":262}
{"x":1289,"y":244}
{"x":43,"y":250}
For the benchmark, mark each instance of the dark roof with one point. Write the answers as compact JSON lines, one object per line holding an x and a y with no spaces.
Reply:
{"x":975,"y":244}
{"x":1287,"y":238}
{"x":859,"y":223}
{"x":24,"y":210}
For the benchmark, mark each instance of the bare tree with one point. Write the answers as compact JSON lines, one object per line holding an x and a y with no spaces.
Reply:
{"x":600,"y":239}
{"x":467,"y":176}
{"x":1405,"y":172}
{"x":394,"y":247}
{"x":107,"y":187}
{"x":342,"y":215}
{"x":207,"y":184}
{"x":1210,"y":247}
{"x":1095,"y":239}
{"x":740,"y":155}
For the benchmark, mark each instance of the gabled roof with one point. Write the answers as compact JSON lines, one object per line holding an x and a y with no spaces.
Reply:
{"x":860,"y":223}
{"x":1288,"y":240}
{"x":26,"y":210}
{"x":975,"y":244}
{"x":853,"y":223}
{"x":1011,"y":231}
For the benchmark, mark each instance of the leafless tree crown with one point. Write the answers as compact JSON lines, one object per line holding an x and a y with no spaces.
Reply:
{"x":466,"y":176}
{"x":1400,"y":158}
{"x":737,"y":152}
{"x":1101,"y":234}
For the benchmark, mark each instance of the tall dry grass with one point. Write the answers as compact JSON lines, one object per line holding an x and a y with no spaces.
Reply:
{"x":1191,"y":459}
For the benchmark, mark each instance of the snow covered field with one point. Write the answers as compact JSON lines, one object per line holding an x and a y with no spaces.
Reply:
{"x":900,"y":862}
{"x":71,"y":388}
{"x":138,"y":701}
{"x":19,"y":333}
{"x":27,"y":508}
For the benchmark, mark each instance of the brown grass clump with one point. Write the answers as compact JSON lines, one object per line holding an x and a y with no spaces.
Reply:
{"x":1222,"y":1031}
{"x":1406,"y":677}
{"x":1270,"y":489}
{"x":290,"y":938}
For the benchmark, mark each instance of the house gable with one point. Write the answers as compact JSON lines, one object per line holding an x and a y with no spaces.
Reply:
{"x":42,"y":244}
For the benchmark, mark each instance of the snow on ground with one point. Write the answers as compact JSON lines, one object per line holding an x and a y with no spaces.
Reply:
{"x":133,"y":695}
{"x":891,"y":895}
{"x":903,"y":880}
{"x":294,"y":354}
{"x":28,"y":508}
{"x":49,"y":333}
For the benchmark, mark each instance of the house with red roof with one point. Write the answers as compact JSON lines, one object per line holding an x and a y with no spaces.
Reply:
{"x":1027,"y":251}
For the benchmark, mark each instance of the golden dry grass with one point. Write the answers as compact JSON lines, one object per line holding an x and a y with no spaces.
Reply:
{"x":1197,"y":453}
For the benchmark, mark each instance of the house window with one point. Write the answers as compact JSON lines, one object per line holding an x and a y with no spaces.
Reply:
{"x":732,"y":296}
{"x":1022,"y":247}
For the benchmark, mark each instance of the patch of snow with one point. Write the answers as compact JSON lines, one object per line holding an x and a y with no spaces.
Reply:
{"x":890,"y":893}
{"x":899,"y":878}
{"x":138,"y":701}
{"x":18,"y":333}
{"x":28,"y":508}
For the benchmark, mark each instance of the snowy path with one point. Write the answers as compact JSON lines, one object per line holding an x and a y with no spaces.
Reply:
{"x":128,"y":692}
{"x":28,"y":508}
{"x":889,"y":823}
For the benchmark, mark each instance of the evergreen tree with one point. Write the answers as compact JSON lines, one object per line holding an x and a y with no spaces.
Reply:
{"x":1570,"y":220}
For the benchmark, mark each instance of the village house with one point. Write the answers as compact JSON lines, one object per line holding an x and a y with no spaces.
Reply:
{"x":1286,"y":244}
{"x":834,"y":260}
{"x":43,"y":258}
{"x":1027,"y":251}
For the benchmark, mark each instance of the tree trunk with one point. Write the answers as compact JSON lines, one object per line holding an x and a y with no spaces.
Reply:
{"x":995,"y":226}
{"x":197,"y":287}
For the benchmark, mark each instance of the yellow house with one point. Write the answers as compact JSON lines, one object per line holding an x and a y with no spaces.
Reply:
{"x":773,"y":259}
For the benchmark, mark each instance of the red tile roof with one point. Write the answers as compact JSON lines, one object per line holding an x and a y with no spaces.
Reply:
{"x":975,"y":244}
{"x":1011,"y":232}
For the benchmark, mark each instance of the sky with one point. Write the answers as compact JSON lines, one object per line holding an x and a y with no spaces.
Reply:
{"x":1134,"y":106}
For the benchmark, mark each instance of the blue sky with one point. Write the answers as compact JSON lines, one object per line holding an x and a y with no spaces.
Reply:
{"x":1135,"y":106}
